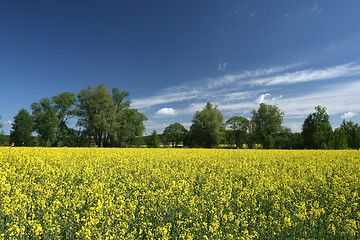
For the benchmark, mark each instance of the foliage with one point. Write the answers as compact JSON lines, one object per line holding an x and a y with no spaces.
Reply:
{"x":65,"y":106}
{"x":131,"y":126}
{"x":46,"y":123}
{"x":82,"y":193}
{"x":108,"y":116}
{"x":350,"y":131}
{"x":174,"y":133}
{"x":152,"y":141}
{"x":317,"y":131}
{"x":267,"y":124}
{"x":22,"y":128}
{"x":241,"y":130}
{"x":2,"y":136}
{"x":206,"y":128}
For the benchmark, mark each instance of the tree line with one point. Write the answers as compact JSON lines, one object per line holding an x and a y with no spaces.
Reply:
{"x":102,"y":117}
{"x":263,"y":130}
{"x":107,"y":119}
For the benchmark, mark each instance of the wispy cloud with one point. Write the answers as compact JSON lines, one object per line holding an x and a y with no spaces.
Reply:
{"x":253,"y":14}
{"x":309,"y":75}
{"x":238,"y":94}
{"x":348,"y":115}
{"x":246,"y":75}
{"x":316,"y":9}
{"x":165,"y":97}
{"x":222,"y":66}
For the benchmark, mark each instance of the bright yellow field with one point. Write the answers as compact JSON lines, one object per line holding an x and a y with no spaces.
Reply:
{"x":67,"y":193}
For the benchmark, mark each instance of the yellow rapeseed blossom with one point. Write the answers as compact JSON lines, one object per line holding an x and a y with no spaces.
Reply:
{"x":94,"y":193}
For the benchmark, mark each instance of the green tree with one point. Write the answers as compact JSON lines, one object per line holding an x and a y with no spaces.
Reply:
{"x":317,"y":131}
{"x":131,"y":126}
{"x":65,"y":106}
{"x":206,"y":128}
{"x":175,"y":133}
{"x":351,"y":132}
{"x":267,"y":124}
{"x":152,"y":141}
{"x":240,"y":127}
{"x":45,"y":121}
{"x":22,"y":128}
{"x":2,"y":135}
{"x":340,"y":139}
{"x":108,"y":117}
{"x":96,"y":112}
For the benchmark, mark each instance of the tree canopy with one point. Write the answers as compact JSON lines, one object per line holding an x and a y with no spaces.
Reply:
{"x":267,"y":124}
{"x":22,"y":128}
{"x":240,"y":127}
{"x":108,"y":117}
{"x":175,"y":133}
{"x":317,"y":131}
{"x":206,"y":127}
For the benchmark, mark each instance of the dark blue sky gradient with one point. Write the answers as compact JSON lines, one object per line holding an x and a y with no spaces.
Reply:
{"x":154,"y":48}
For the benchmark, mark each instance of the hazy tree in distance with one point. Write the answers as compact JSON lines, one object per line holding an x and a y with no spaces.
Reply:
{"x":267,"y":124}
{"x":206,"y":127}
{"x":45,"y":121}
{"x":240,"y":127}
{"x":22,"y":128}
{"x":175,"y":133}
{"x":317,"y":131}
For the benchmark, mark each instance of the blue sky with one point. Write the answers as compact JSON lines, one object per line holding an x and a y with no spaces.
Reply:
{"x":174,"y":56}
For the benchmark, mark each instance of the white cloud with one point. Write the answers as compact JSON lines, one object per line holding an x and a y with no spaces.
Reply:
{"x":253,"y":14}
{"x":348,"y":115}
{"x":166,"y":111}
{"x":263,"y":98}
{"x":7,"y":122}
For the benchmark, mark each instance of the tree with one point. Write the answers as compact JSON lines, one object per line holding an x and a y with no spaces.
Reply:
{"x":2,"y":136}
{"x":317,"y":131}
{"x":267,"y":124}
{"x":351,"y":132}
{"x":108,"y":117}
{"x":65,"y":106}
{"x":206,"y":127}
{"x":131,"y":126}
{"x":22,"y":128}
{"x":340,"y":139}
{"x":175,"y":133}
{"x":152,"y":141}
{"x":45,"y":121}
{"x":96,"y":112}
{"x":240,"y":127}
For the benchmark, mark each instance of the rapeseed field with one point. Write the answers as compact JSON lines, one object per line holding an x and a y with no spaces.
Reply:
{"x":83,"y":193}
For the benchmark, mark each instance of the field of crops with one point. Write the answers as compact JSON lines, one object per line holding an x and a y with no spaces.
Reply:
{"x":69,"y":193}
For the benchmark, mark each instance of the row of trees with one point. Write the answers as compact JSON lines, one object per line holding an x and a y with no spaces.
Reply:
{"x":103,"y":117}
{"x":264,"y":129}
{"x":107,"y":119}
